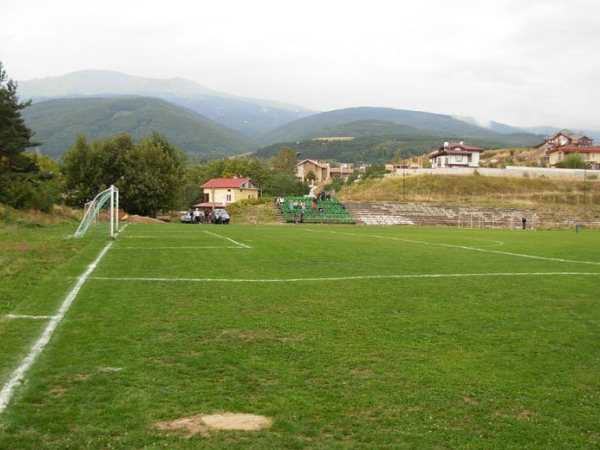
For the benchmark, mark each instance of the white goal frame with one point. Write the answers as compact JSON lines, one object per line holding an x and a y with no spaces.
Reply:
{"x":108,"y":196}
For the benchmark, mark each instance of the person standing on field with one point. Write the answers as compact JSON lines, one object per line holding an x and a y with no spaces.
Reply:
{"x":524,"y":222}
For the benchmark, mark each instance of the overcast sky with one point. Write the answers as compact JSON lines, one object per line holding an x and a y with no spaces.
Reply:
{"x":521,"y":62}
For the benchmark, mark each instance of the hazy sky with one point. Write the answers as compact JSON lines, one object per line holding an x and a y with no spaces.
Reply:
{"x":521,"y":62}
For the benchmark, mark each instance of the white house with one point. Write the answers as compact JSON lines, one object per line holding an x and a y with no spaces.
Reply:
{"x":453,"y":154}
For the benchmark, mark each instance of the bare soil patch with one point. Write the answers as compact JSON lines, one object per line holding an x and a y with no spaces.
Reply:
{"x":202,"y":424}
{"x":134,"y":218}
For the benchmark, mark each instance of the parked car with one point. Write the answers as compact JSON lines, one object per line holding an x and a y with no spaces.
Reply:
{"x":186,"y":217}
{"x":221,"y":216}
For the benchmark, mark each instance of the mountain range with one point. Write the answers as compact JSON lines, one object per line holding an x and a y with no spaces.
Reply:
{"x":57,"y":122}
{"x":252,"y":117}
{"x":211,"y":124}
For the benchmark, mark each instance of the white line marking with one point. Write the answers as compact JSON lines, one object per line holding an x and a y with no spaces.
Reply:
{"x":357,"y":277}
{"x":483,"y":250}
{"x":25,"y":316}
{"x":229,"y":239}
{"x":19,"y":374}
{"x":494,"y":243}
{"x":159,"y":237}
{"x":179,"y":248}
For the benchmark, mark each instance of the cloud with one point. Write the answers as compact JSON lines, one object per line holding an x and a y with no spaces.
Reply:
{"x":509,"y":60}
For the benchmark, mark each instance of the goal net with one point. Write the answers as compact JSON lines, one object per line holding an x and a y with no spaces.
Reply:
{"x":106,"y":201}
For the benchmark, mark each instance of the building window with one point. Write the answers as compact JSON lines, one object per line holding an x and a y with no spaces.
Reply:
{"x":228,"y":198}
{"x":458,"y":158}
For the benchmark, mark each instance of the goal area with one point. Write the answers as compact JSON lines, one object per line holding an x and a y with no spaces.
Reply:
{"x":106,"y":201}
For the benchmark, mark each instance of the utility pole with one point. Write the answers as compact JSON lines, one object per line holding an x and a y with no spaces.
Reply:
{"x":403,"y":182}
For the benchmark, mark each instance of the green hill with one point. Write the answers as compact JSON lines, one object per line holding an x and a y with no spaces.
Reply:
{"x":345,"y":120}
{"x":56,"y":123}
{"x":381,"y":134}
{"x":252,"y":117}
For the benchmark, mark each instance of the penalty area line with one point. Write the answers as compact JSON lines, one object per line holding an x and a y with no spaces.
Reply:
{"x":348,"y":278}
{"x":229,"y":239}
{"x":18,"y":375}
{"x":463,"y":247}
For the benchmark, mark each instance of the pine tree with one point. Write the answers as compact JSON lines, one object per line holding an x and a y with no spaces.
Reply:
{"x":15,"y":137}
{"x":20,"y":184}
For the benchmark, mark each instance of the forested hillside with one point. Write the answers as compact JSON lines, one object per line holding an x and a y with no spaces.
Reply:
{"x":56,"y":123}
{"x":387,"y":121}
{"x":407,"y":141}
{"x":252,"y":117}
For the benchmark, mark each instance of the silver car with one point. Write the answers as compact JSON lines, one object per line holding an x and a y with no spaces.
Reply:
{"x":186,"y":217}
{"x":221,"y":216}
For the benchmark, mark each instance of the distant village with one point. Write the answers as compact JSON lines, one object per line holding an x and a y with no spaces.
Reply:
{"x":455,"y":155}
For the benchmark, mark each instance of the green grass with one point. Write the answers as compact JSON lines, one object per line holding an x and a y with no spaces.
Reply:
{"x":480,"y":190}
{"x":449,"y":362}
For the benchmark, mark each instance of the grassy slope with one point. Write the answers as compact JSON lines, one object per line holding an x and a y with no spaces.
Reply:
{"x":490,"y":362}
{"x":476,"y":189}
{"x":56,"y":123}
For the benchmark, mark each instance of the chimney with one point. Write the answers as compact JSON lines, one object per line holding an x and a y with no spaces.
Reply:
{"x":462,"y":143}
{"x":446,"y":144}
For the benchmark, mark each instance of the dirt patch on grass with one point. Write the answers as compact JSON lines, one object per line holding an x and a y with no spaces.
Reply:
{"x":141,"y":219}
{"x":470,"y":401}
{"x":202,"y":424}
{"x":58,"y":391}
{"x":18,"y":246}
{"x":255,"y":335}
{"x":191,"y":426}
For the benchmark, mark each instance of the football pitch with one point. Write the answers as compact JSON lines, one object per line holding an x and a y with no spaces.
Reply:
{"x":343,"y":336}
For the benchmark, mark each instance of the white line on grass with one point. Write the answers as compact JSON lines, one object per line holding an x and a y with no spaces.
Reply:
{"x":179,"y":248}
{"x":357,"y":277}
{"x":229,"y":239}
{"x":159,"y":237}
{"x":25,"y":316}
{"x":19,"y":374}
{"x":464,"y":247}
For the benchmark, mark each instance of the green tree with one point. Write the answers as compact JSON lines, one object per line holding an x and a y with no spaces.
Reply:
{"x":92,"y":167}
{"x":310,"y":176}
{"x":152,"y":177}
{"x":149,"y":174}
{"x":285,"y":184}
{"x":246,"y":167}
{"x":285,"y":161}
{"x":572,"y":161}
{"x":374,"y":171}
{"x":22,"y":183}
{"x":15,"y":137}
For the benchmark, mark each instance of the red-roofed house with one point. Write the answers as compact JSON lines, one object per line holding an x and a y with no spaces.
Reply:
{"x":219,"y":192}
{"x":590,"y":154}
{"x":453,"y":154}
{"x":564,"y":137}
{"x":564,"y":143}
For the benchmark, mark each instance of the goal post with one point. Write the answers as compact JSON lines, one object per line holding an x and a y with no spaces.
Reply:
{"x":108,"y":199}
